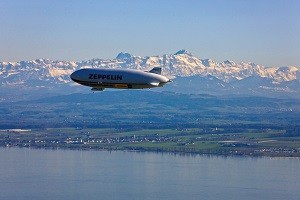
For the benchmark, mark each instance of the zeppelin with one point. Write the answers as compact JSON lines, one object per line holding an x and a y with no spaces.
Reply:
{"x":99,"y":79}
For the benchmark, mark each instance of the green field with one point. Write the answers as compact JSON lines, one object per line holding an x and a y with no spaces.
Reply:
{"x":153,"y":121}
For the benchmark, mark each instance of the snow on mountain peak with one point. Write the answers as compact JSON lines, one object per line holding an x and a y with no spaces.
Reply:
{"x":180,"y":64}
{"x":183,"y":51}
{"x":208,"y":62}
{"x":229,"y":62}
{"x":123,"y":56}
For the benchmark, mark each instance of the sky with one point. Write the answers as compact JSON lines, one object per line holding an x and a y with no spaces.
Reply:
{"x":266,"y":32}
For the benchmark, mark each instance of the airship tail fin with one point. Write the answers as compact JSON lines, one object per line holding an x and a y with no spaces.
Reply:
{"x":156,"y":70}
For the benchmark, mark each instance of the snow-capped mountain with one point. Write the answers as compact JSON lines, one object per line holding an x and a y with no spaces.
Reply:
{"x":228,"y":75}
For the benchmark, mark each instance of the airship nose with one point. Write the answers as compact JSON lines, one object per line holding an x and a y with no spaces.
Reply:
{"x":74,"y":76}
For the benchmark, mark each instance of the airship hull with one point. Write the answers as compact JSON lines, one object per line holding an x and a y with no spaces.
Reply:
{"x":99,"y":79}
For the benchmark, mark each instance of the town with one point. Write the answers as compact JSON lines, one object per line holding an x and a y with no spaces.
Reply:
{"x":212,"y":141}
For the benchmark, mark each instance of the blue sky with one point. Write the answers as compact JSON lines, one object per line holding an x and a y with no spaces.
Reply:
{"x":266,"y":32}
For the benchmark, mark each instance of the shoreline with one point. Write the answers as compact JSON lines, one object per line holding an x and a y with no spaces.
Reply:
{"x":297,"y":156}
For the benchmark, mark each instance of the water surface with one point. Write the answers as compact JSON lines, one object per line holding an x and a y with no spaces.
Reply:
{"x":71,"y":174}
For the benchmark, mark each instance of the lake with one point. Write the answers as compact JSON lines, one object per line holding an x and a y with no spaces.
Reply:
{"x":72,"y":174}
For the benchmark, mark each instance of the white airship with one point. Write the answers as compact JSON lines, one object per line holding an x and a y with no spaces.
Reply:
{"x":99,"y":79}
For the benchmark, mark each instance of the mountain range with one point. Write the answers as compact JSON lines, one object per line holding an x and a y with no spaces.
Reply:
{"x":190,"y":74}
